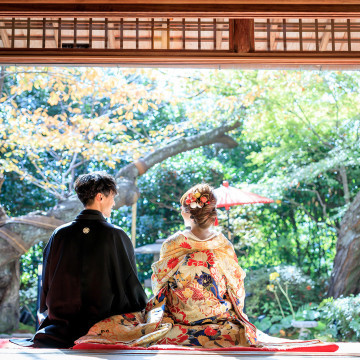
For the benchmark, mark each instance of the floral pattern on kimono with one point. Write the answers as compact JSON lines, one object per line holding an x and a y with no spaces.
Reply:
{"x":198,"y":302}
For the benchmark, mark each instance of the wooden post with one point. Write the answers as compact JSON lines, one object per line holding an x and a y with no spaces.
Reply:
{"x":241,"y":35}
{"x":133,"y":223}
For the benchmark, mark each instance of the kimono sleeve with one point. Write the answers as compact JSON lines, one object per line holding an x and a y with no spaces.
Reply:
{"x":235,"y":286}
{"x":46,"y":274}
{"x":129,"y":251}
{"x":170,"y":252}
{"x":136,"y":297}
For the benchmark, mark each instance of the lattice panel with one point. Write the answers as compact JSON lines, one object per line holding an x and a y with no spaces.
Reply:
{"x":181,"y":34}
{"x":120,"y":33}
{"x":307,"y":35}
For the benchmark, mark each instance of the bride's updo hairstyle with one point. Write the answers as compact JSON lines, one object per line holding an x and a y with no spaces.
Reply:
{"x":200,"y":202}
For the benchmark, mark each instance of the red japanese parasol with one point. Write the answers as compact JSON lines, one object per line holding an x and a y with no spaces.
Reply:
{"x":230,"y":196}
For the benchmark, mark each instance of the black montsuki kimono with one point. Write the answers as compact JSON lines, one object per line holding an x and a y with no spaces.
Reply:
{"x":89,"y":274}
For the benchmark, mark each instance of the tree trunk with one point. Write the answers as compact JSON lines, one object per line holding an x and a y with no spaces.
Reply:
{"x":17,"y":235}
{"x":9,"y":296}
{"x":345,"y":277}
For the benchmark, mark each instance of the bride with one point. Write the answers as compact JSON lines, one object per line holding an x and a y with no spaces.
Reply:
{"x":198,"y":289}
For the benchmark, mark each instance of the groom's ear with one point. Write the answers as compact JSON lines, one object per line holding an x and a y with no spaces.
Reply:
{"x":99,"y":196}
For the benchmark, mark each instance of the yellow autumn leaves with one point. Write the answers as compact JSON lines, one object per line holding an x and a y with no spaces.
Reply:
{"x":51,"y":116}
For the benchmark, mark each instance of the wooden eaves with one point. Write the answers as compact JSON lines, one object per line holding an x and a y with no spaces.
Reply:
{"x":258,"y":33}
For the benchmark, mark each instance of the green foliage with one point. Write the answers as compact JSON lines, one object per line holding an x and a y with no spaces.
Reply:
{"x":298,"y":144}
{"x":261,"y":301}
{"x":29,"y":278}
{"x":14,"y":201}
{"x":338,"y":320}
{"x":27,"y":329}
{"x":343,"y":317}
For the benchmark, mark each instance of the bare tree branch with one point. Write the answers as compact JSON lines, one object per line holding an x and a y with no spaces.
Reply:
{"x":306,"y":121}
{"x":181,"y":145}
{"x":344,"y":180}
{"x":323,"y":205}
{"x":299,"y":205}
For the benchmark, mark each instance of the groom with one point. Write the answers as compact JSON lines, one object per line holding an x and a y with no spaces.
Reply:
{"x":89,"y":270}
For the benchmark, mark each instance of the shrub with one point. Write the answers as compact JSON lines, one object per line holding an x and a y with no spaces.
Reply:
{"x":260,"y":301}
{"x":263,"y":307}
{"x":343,"y":317}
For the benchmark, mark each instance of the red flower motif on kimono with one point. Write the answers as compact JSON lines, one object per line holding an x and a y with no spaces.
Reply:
{"x":192,"y":262}
{"x":210,"y":257}
{"x":182,"y":339}
{"x":176,"y":310}
{"x":178,"y":340}
{"x":172,"y":263}
{"x":197,"y":294}
{"x":130,"y":316}
{"x":185,"y":245}
{"x":215,"y":274}
{"x":209,"y":260}
{"x":210,"y":331}
{"x":162,"y":291}
{"x":227,"y":337}
{"x":237,"y":273}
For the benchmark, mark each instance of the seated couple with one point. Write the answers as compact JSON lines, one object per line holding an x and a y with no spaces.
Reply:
{"x":91,"y":293}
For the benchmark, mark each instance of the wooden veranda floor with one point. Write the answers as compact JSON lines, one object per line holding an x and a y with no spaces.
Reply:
{"x":346,"y":351}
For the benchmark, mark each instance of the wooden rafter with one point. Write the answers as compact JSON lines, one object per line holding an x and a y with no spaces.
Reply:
{"x":273,"y":35}
{"x":112,"y":39}
{"x":325,"y":38}
{"x":4,"y":37}
{"x":169,"y":10}
{"x":164,"y":35}
{"x":219,"y":35}
{"x":55,"y":33}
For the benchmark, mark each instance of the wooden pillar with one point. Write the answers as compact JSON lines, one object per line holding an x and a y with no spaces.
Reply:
{"x":133,"y":222}
{"x":241,"y":35}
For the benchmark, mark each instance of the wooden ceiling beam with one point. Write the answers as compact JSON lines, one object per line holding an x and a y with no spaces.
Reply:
{"x":174,"y":58}
{"x":185,"y":2}
{"x":182,"y":10}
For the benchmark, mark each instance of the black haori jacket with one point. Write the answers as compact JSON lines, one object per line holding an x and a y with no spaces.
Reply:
{"x":89,"y":274}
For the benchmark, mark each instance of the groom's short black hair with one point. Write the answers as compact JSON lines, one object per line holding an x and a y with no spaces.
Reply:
{"x":88,"y":185}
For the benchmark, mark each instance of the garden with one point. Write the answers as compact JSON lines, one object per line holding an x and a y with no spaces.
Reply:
{"x":292,"y":136}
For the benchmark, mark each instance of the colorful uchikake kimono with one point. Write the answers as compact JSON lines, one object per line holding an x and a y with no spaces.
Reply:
{"x":198,"y":301}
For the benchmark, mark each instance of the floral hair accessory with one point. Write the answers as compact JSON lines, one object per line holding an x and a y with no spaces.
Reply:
{"x":197,"y":200}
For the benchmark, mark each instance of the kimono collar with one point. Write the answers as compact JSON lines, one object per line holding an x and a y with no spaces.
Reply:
{"x":190,"y":235}
{"x":88,"y":214}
